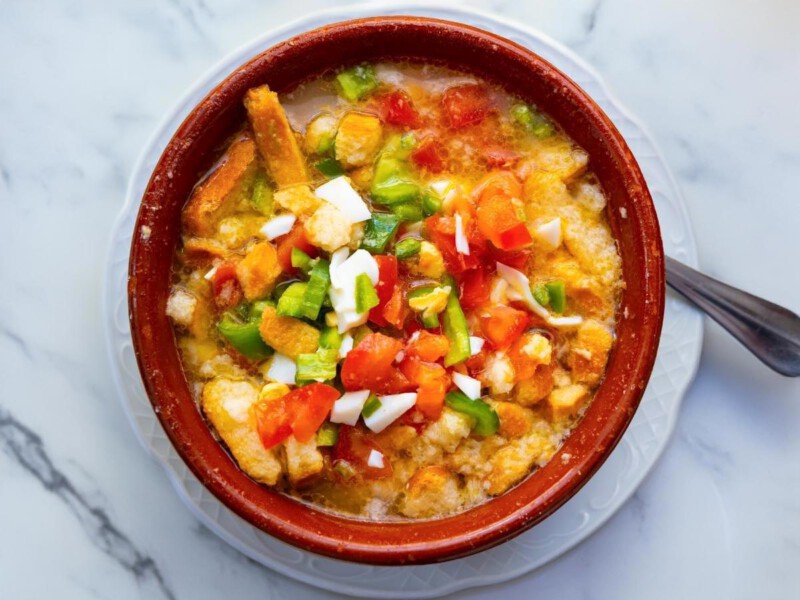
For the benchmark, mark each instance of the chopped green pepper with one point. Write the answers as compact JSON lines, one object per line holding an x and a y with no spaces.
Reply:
{"x":541,"y":295}
{"x":486,"y":421}
{"x":317,"y":366}
{"x":380,"y":230}
{"x":344,"y":469}
{"x":301,"y":260}
{"x":357,"y":82}
{"x":532,"y":120}
{"x":330,"y":167}
{"x":392,"y":183}
{"x":557,"y":292}
{"x":366,"y":296}
{"x":261,"y":199}
{"x":410,"y":211}
{"x":371,"y":406}
{"x":455,"y":328}
{"x":430,"y":321}
{"x":406,"y":248}
{"x":318,"y":282}
{"x":330,"y":338}
{"x":328,"y":434}
{"x":431,"y":203}
{"x":290,"y":303}
{"x":244,"y":336}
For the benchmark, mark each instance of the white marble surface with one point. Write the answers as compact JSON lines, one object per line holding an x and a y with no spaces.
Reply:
{"x":84,"y":513}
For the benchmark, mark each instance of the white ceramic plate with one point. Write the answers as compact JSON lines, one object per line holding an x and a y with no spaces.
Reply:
{"x":678,"y":355}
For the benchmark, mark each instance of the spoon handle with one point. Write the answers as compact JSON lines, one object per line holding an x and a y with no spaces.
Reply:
{"x":769,"y":331}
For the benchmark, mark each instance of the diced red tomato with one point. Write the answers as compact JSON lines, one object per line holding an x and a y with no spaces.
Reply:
{"x":513,"y":258}
{"x":499,"y":156}
{"x":500,"y":221}
{"x":476,"y":284}
{"x":300,"y":412}
{"x":432,"y":380}
{"x":475,"y":364}
{"x":355,"y":447}
{"x":370,"y":366}
{"x":296,"y":238}
{"x":429,"y":155}
{"x":395,"y":311}
{"x":396,"y":108}
{"x":515,"y":237}
{"x":309,"y":406}
{"x":387,"y":279}
{"x":502,"y":325}
{"x":442,"y":231}
{"x":465,"y":105}
{"x":227,"y":291}
{"x":273,"y":421}
{"x":428,"y":346}
{"x":496,"y":182}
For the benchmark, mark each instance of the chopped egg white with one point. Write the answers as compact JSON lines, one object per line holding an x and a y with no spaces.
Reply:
{"x":462,"y":245}
{"x":278,"y":226}
{"x":211,"y":272}
{"x":550,"y":233}
{"x":346,"y":346}
{"x":341,"y":194}
{"x":375,"y":459}
{"x":344,"y":270}
{"x":392,"y":408}
{"x":347,"y":409}
{"x":282,"y":369}
{"x":475,"y":345}
{"x":471,"y":387}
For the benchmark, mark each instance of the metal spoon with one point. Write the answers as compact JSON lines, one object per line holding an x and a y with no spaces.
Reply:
{"x":769,"y":331}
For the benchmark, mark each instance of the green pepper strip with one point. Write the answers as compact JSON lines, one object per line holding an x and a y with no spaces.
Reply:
{"x":380,"y":230}
{"x":290,"y":303}
{"x":244,"y":337}
{"x":317,"y":366}
{"x":330,"y":338}
{"x":431,"y":203}
{"x":330,"y":167}
{"x":407,"y":248}
{"x":557,"y":293}
{"x":366,"y":296}
{"x":318,"y":282}
{"x":486,"y":421}
{"x":410,"y":211}
{"x":261,"y":199}
{"x":301,"y":260}
{"x":328,"y":434}
{"x":429,"y":322}
{"x":370,"y":406}
{"x":532,"y":120}
{"x":455,"y":328}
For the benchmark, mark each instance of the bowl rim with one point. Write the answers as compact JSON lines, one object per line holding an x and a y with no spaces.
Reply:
{"x":338,"y":542}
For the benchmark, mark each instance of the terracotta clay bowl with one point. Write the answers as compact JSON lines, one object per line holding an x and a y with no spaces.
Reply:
{"x":631,"y":215}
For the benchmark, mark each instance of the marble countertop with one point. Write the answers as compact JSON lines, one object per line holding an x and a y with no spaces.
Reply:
{"x":83,"y":509}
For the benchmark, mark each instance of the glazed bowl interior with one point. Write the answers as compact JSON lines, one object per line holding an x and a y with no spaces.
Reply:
{"x":631,"y":216}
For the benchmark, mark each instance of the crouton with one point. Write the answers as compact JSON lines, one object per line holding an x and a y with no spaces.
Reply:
{"x":563,"y":403}
{"x":328,"y":228}
{"x":544,"y":191}
{"x":588,"y":352}
{"x":591,"y":303}
{"x":218,"y":194}
{"x":299,"y":199}
{"x":235,"y":230}
{"x":509,"y":464}
{"x":358,"y":139}
{"x":591,"y":243}
{"x":221,"y":365}
{"x":448,"y":430}
{"x":515,"y":421}
{"x":227,"y":405}
{"x":590,"y":196}
{"x":287,"y":335}
{"x":258,"y":271}
{"x":275,"y":138}
{"x":303,"y":461}
{"x":428,"y":263}
{"x":362,"y":177}
{"x":189,"y":311}
{"x":396,"y":437}
{"x":537,"y":348}
{"x":198,"y":252}
{"x":535,"y":389}
{"x":431,"y":491}
{"x":321,"y":133}
{"x":498,"y":373}
{"x":562,"y":159}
